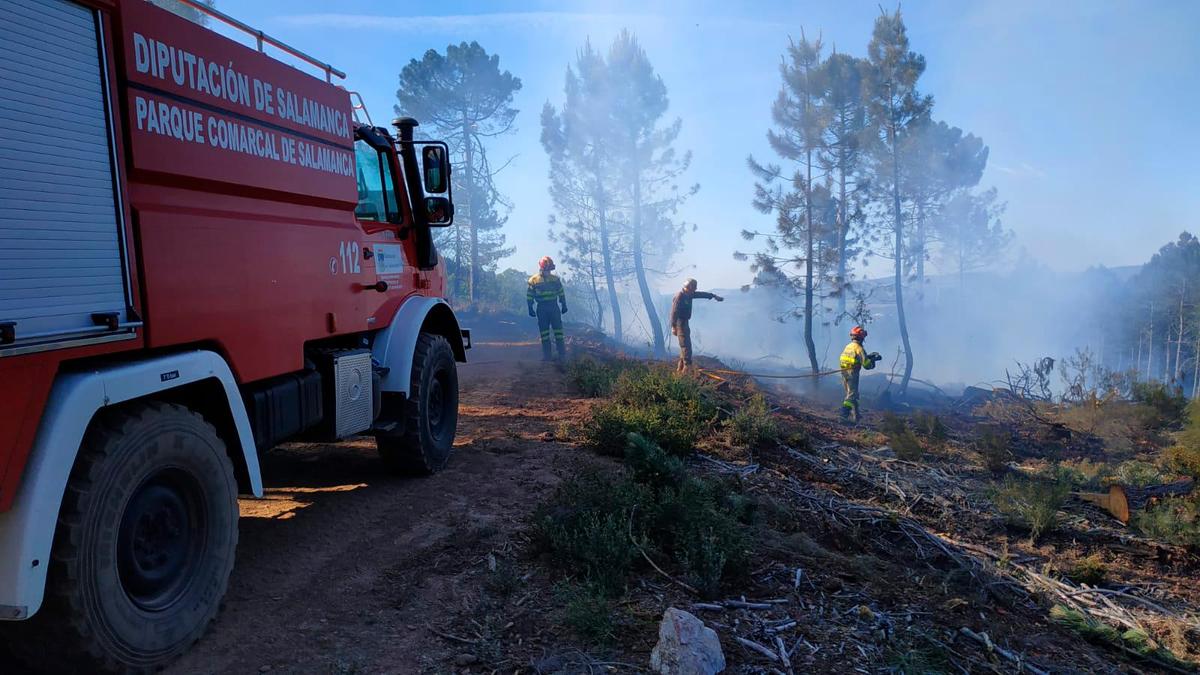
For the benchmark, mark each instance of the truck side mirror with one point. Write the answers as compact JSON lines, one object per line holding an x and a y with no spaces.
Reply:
{"x":438,"y":211}
{"x":436,"y":169}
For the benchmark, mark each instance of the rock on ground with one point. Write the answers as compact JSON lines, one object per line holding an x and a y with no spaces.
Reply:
{"x":686,"y":646}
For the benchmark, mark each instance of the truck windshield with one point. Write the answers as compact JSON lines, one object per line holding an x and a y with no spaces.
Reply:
{"x":376,"y":190}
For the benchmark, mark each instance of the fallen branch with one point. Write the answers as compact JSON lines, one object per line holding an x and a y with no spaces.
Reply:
{"x":449,"y":636}
{"x":986,"y":641}
{"x":751,"y":644}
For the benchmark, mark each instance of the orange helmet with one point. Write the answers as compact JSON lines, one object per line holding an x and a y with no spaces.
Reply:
{"x":546,"y":264}
{"x":858,"y":333}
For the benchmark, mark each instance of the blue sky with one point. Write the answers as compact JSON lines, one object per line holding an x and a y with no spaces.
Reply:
{"x":1087,"y":106}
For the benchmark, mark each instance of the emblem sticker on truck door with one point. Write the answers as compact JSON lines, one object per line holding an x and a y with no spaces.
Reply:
{"x":389,"y":259}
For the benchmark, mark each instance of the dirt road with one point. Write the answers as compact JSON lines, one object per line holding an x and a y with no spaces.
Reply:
{"x":342,"y":566}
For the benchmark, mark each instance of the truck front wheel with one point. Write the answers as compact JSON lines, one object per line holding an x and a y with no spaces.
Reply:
{"x":144,"y":545}
{"x":430,"y":412}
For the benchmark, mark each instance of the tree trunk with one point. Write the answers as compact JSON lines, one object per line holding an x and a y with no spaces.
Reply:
{"x":1177,"y":374}
{"x":1150,"y":348}
{"x":660,"y":347}
{"x":843,"y":226}
{"x":469,"y":169}
{"x":899,"y":280}
{"x":596,"y":291}
{"x":606,"y":256}
{"x":808,"y":269}
{"x":920,"y":247}
{"x":1196,"y":370}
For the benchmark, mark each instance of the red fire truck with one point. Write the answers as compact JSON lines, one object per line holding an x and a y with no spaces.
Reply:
{"x":204,"y":251}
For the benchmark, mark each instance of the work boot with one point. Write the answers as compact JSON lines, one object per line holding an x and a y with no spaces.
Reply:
{"x":562,"y":350}
{"x":546,"y":354}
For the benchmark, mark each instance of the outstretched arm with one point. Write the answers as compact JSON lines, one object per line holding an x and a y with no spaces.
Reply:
{"x":703,"y":295}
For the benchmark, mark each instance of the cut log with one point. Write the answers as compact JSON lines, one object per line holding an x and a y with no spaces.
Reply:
{"x":1122,"y":500}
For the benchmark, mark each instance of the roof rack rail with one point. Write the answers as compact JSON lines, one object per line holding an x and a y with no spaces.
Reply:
{"x":264,"y":39}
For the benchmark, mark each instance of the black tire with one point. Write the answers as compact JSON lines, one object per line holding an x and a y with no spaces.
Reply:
{"x":144,"y":545}
{"x":430,"y":412}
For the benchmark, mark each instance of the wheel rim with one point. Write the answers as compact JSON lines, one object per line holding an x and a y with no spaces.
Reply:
{"x":439,"y":403}
{"x":160,"y":539}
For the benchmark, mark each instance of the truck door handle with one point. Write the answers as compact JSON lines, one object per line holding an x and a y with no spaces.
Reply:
{"x":380,"y":286}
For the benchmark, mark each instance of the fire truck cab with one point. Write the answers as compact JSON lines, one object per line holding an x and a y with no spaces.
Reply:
{"x":205,"y":251}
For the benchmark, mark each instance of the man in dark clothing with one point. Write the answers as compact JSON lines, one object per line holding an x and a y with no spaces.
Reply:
{"x":681,"y":315}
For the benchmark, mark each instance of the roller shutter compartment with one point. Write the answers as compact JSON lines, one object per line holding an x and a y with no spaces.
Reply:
{"x":62,"y":269}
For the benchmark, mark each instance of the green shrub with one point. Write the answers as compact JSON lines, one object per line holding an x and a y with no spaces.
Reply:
{"x":930,"y":425}
{"x":1184,"y":457}
{"x":651,"y":465}
{"x":753,"y":424}
{"x":1135,"y":473}
{"x":993,"y":446}
{"x":1032,"y":504}
{"x":699,"y":525}
{"x":594,"y":377}
{"x":1174,"y":520}
{"x":1133,"y":640}
{"x":1167,"y":402}
{"x":1082,"y":473}
{"x":670,"y":410}
{"x":686,"y":523}
{"x":1090,"y":570}
{"x":902,"y":440}
{"x":587,"y":612}
{"x":585,"y":526}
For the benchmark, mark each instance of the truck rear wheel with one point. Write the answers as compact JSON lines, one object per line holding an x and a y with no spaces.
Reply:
{"x":144,"y":545}
{"x":430,"y":412}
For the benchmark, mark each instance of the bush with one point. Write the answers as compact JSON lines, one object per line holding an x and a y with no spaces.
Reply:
{"x":1133,"y":640}
{"x":1090,"y":570}
{"x":1136,"y":474}
{"x":902,"y":440}
{"x":752,"y":424}
{"x":993,"y":446}
{"x":1032,"y":504}
{"x":694,"y":524}
{"x":1173,"y":520}
{"x":1184,"y":457}
{"x":1167,"y":402}
{"x":662,"y":407}
{"x":585,"y":526}
{"x":595,"y":378}
{"x":651,"y":465}
{"x":699,"y":526}
{"x":930,"y":425}
{"x":587,"y":612}
{"x":1081,"y":473}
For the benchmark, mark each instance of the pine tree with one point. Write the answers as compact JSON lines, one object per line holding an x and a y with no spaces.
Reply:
{"x":841,"y":158}
{"x":582,"y":166}
{"x":614,"y":169}
{"x":800,"y":209}
{"x":971,"y":234}
{"x":464,"y":98}
{"x":895,"y":108}
{"x":940,"y":162}
{"x":648,"y":165}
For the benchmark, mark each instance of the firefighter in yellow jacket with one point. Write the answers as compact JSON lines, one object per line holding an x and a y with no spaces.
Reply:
{"x":546,"y":293}
{"x":854,"y":358}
